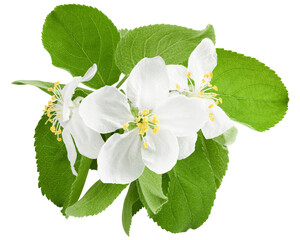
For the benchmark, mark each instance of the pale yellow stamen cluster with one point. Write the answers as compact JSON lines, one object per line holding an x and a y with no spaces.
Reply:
{"x":52,"y":109}
{"x":144,"y":122}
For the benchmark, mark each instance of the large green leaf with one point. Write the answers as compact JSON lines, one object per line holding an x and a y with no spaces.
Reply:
{"x":79,"y":182}
{"x":132,"y":205}
{"x":173,"y":43}
{"x":252,"y":93}
{"x":191,"y":193}
{"x":44,"y":86}
{"x":150,"y":188}
{"x":55,"y":175}
{"x":96,"y":199}
{"x":77,"y":37}
{"x":217,"y":155}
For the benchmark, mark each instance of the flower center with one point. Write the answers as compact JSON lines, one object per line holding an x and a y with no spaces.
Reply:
{"x":204,"y":91}
{"x":144,"y":121}
{"x":54,"y":109}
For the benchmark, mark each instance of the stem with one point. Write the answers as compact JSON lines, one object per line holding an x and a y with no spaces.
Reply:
{"x":121,"y":82}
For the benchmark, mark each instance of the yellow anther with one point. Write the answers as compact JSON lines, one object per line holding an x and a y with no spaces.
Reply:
{"x":155,"y":130}
{"x":145,"y":120}
{"x":210,"y":74}
{"x":215,"y":88}
{"x":125,"y":126}
{"x":201,"y":92}
{"x":52,"y":129}
{"x":59,"y":131}
{"x":140,"y":125}
{"x":58,"y":115}
{"x":59,"y":139}
{"x":221,"y":100}
{"x":50,"y":103}
{"x":155,"y":119}
{"x":56,"y":84}
{"x":217,"y":102}
{"x":49,"y":109}
{"x":50,"y":120}
{"x":199,"y":96}
{"x":46,"y":107}
{"x":188,"y":74}
{"x":145,"y":112}
{"x":177,"y":86}
{"x":203,"y":81}
{"x":210,"y":106}
{"x":210,"y":115}
{"x":214,"y":95}
{"x":209,"y":85}
{"x":50,"y":89}
{"x":137,"y":119}
{"x":145,"y":145}
{"x":49,"y":114}
{"x":212,"y":119}
{"x":53,"y":98}
{"x":206,"y":75}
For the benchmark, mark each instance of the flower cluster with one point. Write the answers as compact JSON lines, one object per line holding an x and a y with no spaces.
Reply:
{"x":152,"y":122}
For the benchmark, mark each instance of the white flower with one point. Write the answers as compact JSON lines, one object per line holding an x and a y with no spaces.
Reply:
{"x":151,"y":120}
{"x":194,"y":81}
{"x":63,"y":111}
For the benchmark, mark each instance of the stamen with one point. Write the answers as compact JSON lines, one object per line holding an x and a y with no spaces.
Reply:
{"x":59,"y":139}
{"x":58,"y":115}
{"x":145,"y":120}
{"x":155,"y":119}
{"x":50,"y":89}
{"x":188,"y":74}
{"x":155,"y":129}
{"x":210,"y":74}
{"x":53,"y":98}
{"x":210,"y":106}
{"x":145,"y":112}
{"x":215,"y":88}
{"x":203,"y":81}
{"x":56,"y":84}
{"x":177,"y":86}
{"x":221,"y":100}
{"x":125,"y":126}
{"x":50,"y":103}
{"x":211,"y":117}
{"x":145,"y":145}
{"x":217,"y":102}
{"x":201,"y":92}
{"x":137,"y":120}
{"x":52,"y":129}
{"x":206,"y":75}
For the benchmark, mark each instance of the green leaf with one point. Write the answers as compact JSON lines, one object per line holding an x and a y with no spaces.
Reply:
{"x":252,"y":93}
{"x":228,"y":137}
{"x":131,"y":206}
{"x":173,"y":43}
{"x":150,"y":188}
{"x":123,"y":32}
{"x":44,"y":86}
{"x":217,"y":155}
{"x":79,"y":182}
{"x":55,"y":175}
{"x":96,"y":199}
{"x":78,"y":36}
{"x":191,"y":193}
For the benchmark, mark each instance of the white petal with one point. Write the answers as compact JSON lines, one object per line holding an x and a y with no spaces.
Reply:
{"x":162,"y":152}
{"x":87,"y":140}
{"x":181,"y":115}
{"x":71,"y":150}
{"x":90,"y":73}
{"x":221,"y":124}
{"x":120,"y":159}
{"x":178,"y":77}
{"x":186,"y":145}
{"x":69,"y":89}
{"x":105,"y":110}
{"x":202,"y":60}
{"x":148,"y":83}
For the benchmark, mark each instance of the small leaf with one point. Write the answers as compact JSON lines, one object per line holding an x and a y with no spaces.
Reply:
{"x":78,"y":36}
{"x":217,"y":156}
{"x":44,"y":86}
{"x":150,"y":190}
{"x":96,"y":199}
{"x":132,"y":205}
{"x":79,"y":182}
{"x":173,"y":43}
{"x":191,"y":193}
{"x":252,"y":93}
{"x":55,"y":175}
{"x":228,"y":137}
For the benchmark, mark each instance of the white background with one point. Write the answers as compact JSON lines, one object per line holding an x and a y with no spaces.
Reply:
{"x":259,"y":197}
